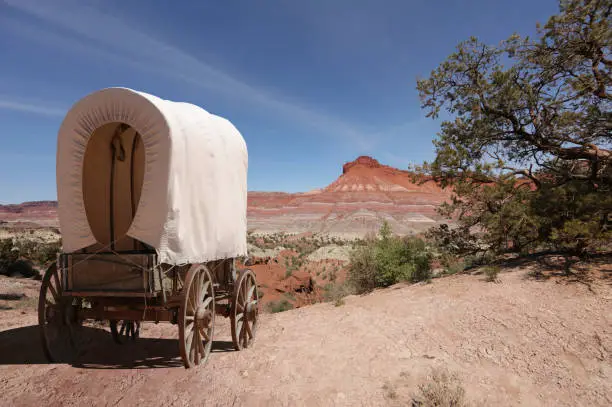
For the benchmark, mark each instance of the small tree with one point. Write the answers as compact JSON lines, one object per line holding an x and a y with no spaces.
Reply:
{"x":533,"y":123}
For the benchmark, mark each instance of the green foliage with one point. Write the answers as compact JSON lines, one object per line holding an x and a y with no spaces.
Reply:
{"x":528,"y":152}
{"x":304,"y":245}
{"x":293,"y":263}
{"x":21,"y":254}
{"x":335,"y":292}
{"x":491,"y":273}
{"x":279,"y":306}
{"x":383,"y":261}
{"x":452,"y":264}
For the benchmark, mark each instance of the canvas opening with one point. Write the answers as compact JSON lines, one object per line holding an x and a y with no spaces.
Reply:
{"x":113,"y":173}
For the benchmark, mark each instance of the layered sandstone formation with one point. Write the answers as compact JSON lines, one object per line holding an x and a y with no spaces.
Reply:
{"x":366,"y":194}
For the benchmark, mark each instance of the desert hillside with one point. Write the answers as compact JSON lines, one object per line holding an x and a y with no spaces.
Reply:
{"x":365,"y":194}
{"x":520,"y":342}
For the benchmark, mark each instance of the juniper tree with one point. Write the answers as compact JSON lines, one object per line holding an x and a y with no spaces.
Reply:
{"x":529,"y":149}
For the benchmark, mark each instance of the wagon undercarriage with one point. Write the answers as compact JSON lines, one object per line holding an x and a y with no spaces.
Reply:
{"x":189,"y":296}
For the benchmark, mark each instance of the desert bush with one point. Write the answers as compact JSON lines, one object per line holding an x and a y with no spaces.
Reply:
{"x":442,"y":389}
{"x":8,"y":256}
{"x":279,"y":306}
{"x":387,"y":259}
{"x":491,"y":273}
{"x":336,"y":292}
{"x":22,"y":256}
{"x":453,"y":265}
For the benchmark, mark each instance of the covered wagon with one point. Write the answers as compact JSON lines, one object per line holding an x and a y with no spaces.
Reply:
{"x":152,"y":200}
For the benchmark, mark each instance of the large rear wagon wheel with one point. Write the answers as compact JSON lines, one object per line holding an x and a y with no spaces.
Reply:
{"x":57,"y":319}
{"x":245,"y":310}
{"x":197,"y":316}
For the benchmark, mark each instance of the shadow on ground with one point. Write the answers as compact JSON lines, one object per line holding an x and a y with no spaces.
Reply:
{"x":96,"y":350}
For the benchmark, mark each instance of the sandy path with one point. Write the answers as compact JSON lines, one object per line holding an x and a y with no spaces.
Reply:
{"x":519,"y":342}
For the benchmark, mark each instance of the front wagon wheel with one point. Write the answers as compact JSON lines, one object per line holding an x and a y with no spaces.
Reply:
{"x":196,"y":317}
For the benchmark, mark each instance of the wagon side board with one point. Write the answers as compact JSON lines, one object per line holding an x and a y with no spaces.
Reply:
{"x":108,"y":273}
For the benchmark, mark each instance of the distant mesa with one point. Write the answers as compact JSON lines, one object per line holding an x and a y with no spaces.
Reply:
{"x":366,"y":193}
{"x":363,"y":161}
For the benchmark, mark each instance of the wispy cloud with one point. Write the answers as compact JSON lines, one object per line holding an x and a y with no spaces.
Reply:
{"x":88,"y":29}
{"x":7,"y":104}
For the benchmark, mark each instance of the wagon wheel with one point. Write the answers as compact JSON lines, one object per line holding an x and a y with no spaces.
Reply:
{"x":129,"y":330}
{"x":196,"y":316}
{"x":57,"y":319}
{"x":245,"y":310}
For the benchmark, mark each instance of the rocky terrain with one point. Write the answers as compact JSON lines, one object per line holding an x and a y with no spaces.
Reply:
{"x":532,"y":339}
{"x":365,"y":194}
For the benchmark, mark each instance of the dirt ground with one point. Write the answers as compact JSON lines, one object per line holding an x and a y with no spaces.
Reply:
{"x":518,"y":342}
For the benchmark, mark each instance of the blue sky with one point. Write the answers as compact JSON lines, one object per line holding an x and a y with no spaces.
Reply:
{"x":310,"y":84}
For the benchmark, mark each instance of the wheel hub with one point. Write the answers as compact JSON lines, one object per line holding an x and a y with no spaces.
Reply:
{"x":203,"y":316}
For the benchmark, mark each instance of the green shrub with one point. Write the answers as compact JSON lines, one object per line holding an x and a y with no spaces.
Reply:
{"x":279,"y":306}
{"x":453,"y":265}
{"x":21,"y":255}
{"x":491,"y":273}
{"x":388,"y":259}
{"x":336,"y":292}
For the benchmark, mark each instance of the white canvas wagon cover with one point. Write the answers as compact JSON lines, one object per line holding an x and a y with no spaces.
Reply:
{"x":192,"y":197}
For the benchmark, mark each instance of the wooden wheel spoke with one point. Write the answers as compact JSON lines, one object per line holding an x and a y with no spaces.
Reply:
{"x":205,"y":288}
{"x":240,"y":329}
{"x":199,"y":289}
{"x":207,"y":302}
{"x":53,"y":292}
{"x":250,"y":294}
{"x":204,"y":334}
{"x":195,"y":338}
{"x":189,"y":327}
{"x":192,"y":306}
{"x":245,"y":298}
{"x":189,"y":341}
{"x":57,"y":281}
{"x":248,"y":329}
{"x":201,"y":346}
